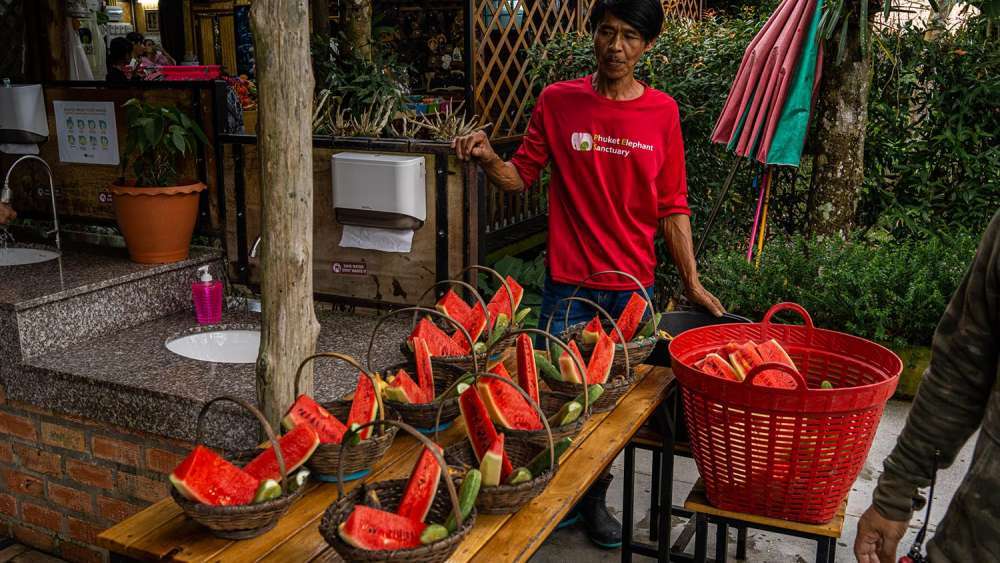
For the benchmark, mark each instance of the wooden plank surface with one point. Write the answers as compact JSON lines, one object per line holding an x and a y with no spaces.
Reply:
{"x":697,"y":501}
{"x":162,"y":532}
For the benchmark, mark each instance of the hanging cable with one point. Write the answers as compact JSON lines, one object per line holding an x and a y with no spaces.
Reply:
{"x":769,"y":176}
{"x":756,"y":218}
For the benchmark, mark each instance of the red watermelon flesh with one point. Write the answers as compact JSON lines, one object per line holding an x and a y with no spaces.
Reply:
{"x":364,"y":407}
{"x":628,"y":321}
{"x":507,"y":407}
{"x":438,"y":341}
{"x":771,"y":351}
{"x":745,"y":358}
{"x":421,"y":487}
{"x":714,"y":364}
{"x":727,"y":349}
{"x":500,"y":303}
{"x":567,"y":367}
{"x":296,"y":447}
{"x":454,"y":306}
{"x":378,"y":530}
{"x":475,"y":324}
{"x":307,"y":411}
{"x":205,"y":477}
{"x":593,"y":331}
{"x":527,"y":371}
{"x":403,"y":389}
{"x":479,"y":427}
{"x":500,"y":369}
{"x":601,"y":359}
{"x":425,"y":370}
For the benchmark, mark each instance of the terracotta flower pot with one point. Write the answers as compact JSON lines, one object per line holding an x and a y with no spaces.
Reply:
{"x":157,"y":222}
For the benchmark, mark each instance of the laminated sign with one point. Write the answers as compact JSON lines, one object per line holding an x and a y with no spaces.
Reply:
{"x":87,"y":132}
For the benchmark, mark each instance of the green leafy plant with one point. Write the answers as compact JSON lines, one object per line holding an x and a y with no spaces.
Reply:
{"x":529,"y":273}
{"x":158,"y":139}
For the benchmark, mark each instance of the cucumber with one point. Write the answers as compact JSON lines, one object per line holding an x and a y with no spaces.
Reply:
{"x":461,"y":387}
{"x":433,"y":533}
{"x":545,"y":366}
{"x":371,"y":499}
{"x":567,"y":414}
{"x":594,"y":392}
{"x":826,"y":385}
{"x":650,"y":326}
{"x":466,"y":497}
{"x":269,"y":489}
{"x":540,"y":464}
{"x":499,"y":328}
{"x":521,"y":315}
{"x":479,"y":347}
{"x":467,"y":380}
{"x":298,"y":480}
{"x":520,"y":475}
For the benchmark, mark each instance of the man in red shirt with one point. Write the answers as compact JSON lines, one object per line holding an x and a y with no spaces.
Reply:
{"x":618,"y":177}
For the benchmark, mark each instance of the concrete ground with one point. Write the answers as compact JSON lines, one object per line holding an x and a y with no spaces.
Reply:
{"x":761,"y":546}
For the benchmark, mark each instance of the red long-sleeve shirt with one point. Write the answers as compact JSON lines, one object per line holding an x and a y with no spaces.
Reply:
{"x":617,"y":168}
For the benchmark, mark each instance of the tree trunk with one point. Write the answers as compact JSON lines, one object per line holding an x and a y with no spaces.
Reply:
{"x":839,"y":146}
{"x":288,"y":322}
{"x":320,"y":14}
{"x":356,"y":19}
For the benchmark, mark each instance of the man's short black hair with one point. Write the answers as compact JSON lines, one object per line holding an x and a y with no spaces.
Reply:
{"x":136,"y":37}
{"x":646,"y":16}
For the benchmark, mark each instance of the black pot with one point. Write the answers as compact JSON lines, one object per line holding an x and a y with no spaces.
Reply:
{"x":676,"y":322}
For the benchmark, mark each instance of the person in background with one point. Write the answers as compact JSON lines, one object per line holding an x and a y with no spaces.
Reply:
{"x":155,"y":56}
{"x":120,"y":68}
{"x":618,"y":180}
{"x":958,"y":395}
{"x":7,"y":214}
{"x":138,"y":44}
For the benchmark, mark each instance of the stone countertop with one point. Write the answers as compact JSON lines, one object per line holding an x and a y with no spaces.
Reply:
{"x":130,"y":379}
{"x":80,"y":269}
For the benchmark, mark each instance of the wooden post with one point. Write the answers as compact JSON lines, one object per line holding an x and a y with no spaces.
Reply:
{"x":356,"y":19}
{"x":189,"y":55}
{"x":55,"y":31}
{"x":284,"y":142}
{"x":320,"y":17}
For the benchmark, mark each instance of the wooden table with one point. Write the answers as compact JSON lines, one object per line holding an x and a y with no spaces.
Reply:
{"x":162,"y":531}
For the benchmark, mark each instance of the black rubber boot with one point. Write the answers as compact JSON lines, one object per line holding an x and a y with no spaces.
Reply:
{"x":602,"y":528}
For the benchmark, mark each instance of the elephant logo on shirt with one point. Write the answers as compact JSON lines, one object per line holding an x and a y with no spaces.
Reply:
{"x":582,"y":141}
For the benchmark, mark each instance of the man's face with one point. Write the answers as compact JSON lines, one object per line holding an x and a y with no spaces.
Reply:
{"x":618,"y":47}
{"x":138,"y":49}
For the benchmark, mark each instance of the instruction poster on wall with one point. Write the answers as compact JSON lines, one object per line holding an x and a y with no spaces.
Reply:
{"x":87,"y":132}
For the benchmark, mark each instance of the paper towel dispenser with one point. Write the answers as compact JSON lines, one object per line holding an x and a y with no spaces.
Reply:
{"x":22,"y":114}
{"x":378,"y":190}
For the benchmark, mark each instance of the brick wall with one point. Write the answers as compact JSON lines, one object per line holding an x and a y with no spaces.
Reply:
{"x":63,"y":479}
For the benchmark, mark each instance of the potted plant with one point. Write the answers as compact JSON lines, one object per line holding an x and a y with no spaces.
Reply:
{"x":157,"y":211}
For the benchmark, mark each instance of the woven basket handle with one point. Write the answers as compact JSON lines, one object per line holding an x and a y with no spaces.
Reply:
{"x":541,"y":414}
{"x":795,"y":307}
{"x":602,"y":311}
{"x":635,"y":280}
{"x":757,"y":370}
{"x":427,"y":443}
{"x":565,"y":348}
{"x":353,"y":362}
{"x":453,"y":322}
{"x":503,"y":284}
{"x":202,"y":415}
{"x":468,"y":287}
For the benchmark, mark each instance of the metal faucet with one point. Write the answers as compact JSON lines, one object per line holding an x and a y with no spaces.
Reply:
{"x":5,"y":193}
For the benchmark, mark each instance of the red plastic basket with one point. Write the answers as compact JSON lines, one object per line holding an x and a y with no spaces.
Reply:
{"x":784,"y":453}
{"x":188,"y":72}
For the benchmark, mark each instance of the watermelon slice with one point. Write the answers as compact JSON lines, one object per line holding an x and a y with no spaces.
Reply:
{"x":475,"y":324}
{"x":567,"y":367}
{"x":492,"y":462}
{"x":593,"y":331}
{"x":507,"y":407}
{"x":203,"y":476}
{"x":744,"y":358}
{"x":453,"y":306}
{"x":296,"y":447}
{"x":628,"y":321}
{"x":402,"y":389}
{"x":601,"y":359}
{"x":378,"y":530}
{"x":714,"y":364}
{"x":500,"y":303}
{"x":421,"y":487}
{"x":771,"y":351}
{"x":307,"y":411}
{"x":500,"y":369}
{"x":527,"y":371}
{"x":479,"y":427}
{"x":438,"y":341}
{"x":727,"y":349}
{"x":364,"y":407}
{"x":425,"y":370}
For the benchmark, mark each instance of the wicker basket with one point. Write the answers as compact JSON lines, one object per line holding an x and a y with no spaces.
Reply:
{"x":390,"y":493}
{"x":423,"y":416}
{"x":357,"y":460}
{"x":503,"y":498}
{"x":467,"y":362}
{"x":244,"y":521}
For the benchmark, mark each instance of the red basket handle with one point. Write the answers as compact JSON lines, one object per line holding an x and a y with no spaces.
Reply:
{"x":810,"y":327}
{"x":756,"y":370}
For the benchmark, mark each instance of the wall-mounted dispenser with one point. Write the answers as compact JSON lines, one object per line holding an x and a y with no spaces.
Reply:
{"x":378,"y":190}
{"x":22,"y":114}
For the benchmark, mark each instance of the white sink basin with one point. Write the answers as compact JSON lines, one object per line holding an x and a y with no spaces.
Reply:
{"x":17,"y":256}
{"x":220,"y":346}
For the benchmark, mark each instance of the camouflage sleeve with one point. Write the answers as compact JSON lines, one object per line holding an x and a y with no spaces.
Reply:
{"x":956,"y":387}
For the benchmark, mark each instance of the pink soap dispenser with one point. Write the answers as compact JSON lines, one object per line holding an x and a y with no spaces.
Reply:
{"x":207,"y":297}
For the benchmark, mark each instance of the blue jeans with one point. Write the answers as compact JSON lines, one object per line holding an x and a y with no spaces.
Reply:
{"x":553,"y":307}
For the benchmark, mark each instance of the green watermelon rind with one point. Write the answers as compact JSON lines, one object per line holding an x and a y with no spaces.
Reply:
{"x":491,"y":464}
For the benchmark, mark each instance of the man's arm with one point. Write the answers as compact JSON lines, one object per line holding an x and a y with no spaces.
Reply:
{"x":676,"y":230}
{"x":7,"y":214}
{"x":501,"y":173}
